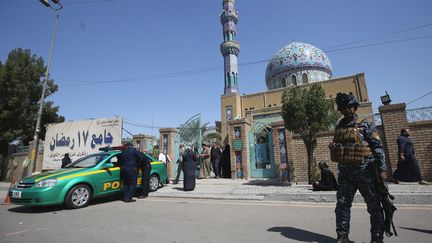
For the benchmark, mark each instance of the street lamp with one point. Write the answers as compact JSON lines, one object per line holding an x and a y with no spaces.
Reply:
{"x":385,"y":100}
{"x":39,"y":115}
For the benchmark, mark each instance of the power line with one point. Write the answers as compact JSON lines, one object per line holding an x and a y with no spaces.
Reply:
{"x":140,"y":125}
{"x":147,"y":77}
{"x":212,"y":69}
{"x":428,"y":93}
{"x":383,"y":35}
{"x":127,"y":132}
{"x":380,"y":43}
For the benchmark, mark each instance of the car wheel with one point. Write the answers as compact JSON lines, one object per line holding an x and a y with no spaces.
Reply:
{"x":78,"y":197}
{"x":154,"y":182}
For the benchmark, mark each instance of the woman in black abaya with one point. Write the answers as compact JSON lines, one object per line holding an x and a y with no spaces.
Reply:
{"x":190,"y":159}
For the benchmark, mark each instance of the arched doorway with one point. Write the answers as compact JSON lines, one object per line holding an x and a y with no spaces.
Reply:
{"x":261,"y":148}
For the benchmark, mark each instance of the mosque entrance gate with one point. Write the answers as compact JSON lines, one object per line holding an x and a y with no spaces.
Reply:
{"x":261,"y":147}
{"x":189,"y":133}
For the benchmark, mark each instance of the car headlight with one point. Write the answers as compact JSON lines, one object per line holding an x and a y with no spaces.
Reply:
{"x":47,"y":183}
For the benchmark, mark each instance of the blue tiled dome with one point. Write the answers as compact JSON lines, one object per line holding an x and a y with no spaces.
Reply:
{"x":298,"y":59}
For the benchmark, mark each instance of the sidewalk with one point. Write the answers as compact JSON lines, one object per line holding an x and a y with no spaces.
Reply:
{"x":273,"y":190}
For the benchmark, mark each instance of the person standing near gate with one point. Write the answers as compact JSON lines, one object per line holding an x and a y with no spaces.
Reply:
{"x":205,"y":155}
{"x":179,"y":163}
{"x":216,"y":154}
{"x":358,"y":149}
{"x":129,"y":159}
{"x":190,"y":159}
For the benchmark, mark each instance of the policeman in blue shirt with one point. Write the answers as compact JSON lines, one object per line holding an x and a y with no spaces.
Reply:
{"x":129,"y":159}
{"x":358,"y":149}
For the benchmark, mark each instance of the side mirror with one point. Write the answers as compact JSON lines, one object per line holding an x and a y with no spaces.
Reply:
{"x":108,"y":165}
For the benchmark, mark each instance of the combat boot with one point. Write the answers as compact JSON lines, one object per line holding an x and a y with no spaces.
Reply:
{"x":343,"y":239}
{"x":377,"y":241}
{"x":377,"y":238}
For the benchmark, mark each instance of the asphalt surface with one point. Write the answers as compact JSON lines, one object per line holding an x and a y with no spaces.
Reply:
{"x":273,"y":190}
{"x":179,"y":220}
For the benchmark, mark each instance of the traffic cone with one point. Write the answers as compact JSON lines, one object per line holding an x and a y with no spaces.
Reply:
{"x":7,"y":199}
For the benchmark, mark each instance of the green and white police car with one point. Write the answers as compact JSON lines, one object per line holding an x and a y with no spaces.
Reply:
{"x":95,"y":175}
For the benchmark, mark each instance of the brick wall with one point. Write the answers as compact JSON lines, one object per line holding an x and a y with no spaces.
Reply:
{"x":394,"y":118}
{"x":421,"y":136}
{"x":298,"y":156}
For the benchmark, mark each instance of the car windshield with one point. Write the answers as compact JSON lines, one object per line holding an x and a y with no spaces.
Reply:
{"x":150,"y":157}
{"x":88,"y":161}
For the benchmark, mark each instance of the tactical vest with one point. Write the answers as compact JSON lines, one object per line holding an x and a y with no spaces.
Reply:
{"x":348,"y":146}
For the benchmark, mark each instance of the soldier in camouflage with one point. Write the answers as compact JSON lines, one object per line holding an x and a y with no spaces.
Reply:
{"x":357,"y":148}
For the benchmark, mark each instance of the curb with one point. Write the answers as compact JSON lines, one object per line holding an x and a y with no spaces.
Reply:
{"x":400,"y":198}
{"x":215,"y":197}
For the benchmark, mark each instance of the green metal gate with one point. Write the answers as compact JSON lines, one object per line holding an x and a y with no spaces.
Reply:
{"x":189,"y":133}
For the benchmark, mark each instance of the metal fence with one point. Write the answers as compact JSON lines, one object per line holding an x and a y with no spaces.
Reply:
{"x":419,"y":114}
{"x":413,"y":115}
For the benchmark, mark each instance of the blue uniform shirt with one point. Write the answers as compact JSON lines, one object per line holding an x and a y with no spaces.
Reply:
{"x":130,"y":157}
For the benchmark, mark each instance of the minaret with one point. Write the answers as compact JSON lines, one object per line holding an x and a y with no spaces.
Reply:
{"x":230,"y":48}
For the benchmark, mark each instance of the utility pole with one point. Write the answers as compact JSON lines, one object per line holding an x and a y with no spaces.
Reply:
{"x":35,"y":146}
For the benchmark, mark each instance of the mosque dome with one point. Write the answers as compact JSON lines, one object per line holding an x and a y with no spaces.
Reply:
{"x":297,"y":63}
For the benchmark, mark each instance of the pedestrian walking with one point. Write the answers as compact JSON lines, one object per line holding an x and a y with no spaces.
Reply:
{"x":129,"y":159}
{"x":358,"y":149}
{"x":408,"y":169}
{"x":190,"y":159}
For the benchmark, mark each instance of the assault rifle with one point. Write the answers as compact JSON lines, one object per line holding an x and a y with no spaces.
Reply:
{"x":387,"y":204}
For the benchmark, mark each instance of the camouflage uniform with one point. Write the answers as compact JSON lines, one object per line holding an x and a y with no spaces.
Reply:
{"x":359,"y":175}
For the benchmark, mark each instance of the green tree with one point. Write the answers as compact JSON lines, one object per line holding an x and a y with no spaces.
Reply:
{"x":20,"y":92}
{"x":306,"y":112}
{"x":213,"y":136}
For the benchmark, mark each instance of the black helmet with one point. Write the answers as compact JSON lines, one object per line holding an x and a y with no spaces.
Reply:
{"x":344,"y":100}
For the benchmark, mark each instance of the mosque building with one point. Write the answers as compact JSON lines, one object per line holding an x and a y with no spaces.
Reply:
{"x":252,"y":124}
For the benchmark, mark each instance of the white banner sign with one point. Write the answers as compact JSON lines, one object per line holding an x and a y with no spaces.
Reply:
{"x":79,"y":138}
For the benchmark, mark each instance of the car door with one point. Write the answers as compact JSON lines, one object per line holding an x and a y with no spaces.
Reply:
{"x":109,"y":178}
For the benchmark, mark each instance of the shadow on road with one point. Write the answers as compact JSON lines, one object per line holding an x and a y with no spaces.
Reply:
{"x":419,"y":230}
{"x":301,"y":235}
{"x":57,"y":208}
{"x":267,"y":182}
{"x":178,"y":188}
{"x":36,"y":210}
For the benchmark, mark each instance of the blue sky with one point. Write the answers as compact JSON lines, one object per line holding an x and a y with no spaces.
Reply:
{"x":131,"y":42}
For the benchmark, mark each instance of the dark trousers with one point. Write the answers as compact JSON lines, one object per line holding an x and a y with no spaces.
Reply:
{"x":179,"y":170}
{"x":351,"y":178}
{"x":129,"y":177}
{"x":215,"y":164}
{"x":145,"y":180}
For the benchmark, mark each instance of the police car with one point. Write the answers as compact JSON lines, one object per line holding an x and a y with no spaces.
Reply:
{"x":95,"y":175}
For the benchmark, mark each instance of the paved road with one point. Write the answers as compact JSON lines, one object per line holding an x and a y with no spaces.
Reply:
{"x":194,"y":220}
{"x":273,"y":190}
